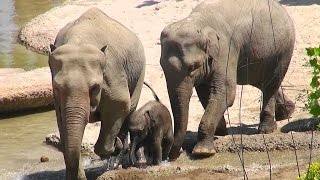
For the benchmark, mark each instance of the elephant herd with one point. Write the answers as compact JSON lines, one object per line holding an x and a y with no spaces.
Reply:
{"x":98,"y":68}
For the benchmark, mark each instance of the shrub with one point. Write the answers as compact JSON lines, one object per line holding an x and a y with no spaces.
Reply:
{"x":314,"y":95}
{"x":313,"y":172}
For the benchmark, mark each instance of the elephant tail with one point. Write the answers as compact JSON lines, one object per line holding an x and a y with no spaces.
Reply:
{"x":153,"y":92}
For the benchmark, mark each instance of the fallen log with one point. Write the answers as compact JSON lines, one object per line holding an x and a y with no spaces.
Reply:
{"x":29,"y":90}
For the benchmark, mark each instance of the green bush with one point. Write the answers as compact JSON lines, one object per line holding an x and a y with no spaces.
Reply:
{"x":314,"y":95}
{"x":313,"y":174}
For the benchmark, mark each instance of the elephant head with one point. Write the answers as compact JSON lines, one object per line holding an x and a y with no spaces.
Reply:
{"x":139,"y":127}
{"x":189,"y":55}
{"x":77,"y":80}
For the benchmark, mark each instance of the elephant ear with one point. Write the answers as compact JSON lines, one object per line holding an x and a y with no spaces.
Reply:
{"x":150,"y":120}
{"x":105,"y":50}
{"x":210,"y":43}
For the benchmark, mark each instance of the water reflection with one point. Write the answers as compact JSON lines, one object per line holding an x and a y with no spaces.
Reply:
{"x":14,"y":14}
{"x":7,"y":27}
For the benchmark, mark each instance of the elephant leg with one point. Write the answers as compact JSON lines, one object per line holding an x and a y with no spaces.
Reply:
{"x":222,"y":128}
{"x":166,"y":145}
{"x":108,"y":141}
{"x":267,"y":123}
{"x":122,"y":142}
{"x":284,"y":106}
{"x":217,"y":104}
{"x":157,"y":150}
{"x":112,"y":119}
{"x":203,"y":92}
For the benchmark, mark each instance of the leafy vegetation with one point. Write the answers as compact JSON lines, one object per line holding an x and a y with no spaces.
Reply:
{"x":313,"y":172}
{"x":314,"y":95}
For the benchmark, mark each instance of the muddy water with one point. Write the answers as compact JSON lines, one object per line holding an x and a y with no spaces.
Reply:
{"x":21,"y":138}
{"x":22,"y":142}
{"x":13,"y":15}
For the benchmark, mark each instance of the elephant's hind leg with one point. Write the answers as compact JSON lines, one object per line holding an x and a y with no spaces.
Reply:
{"x":284,"y":106}
{"x":267,"y":123}
{"x":269,"y":88}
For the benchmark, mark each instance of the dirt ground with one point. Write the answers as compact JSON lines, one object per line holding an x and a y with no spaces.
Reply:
{"x":147,"y":19}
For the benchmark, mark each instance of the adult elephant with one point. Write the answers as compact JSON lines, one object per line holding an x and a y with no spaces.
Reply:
{"x":97,"y":68}
{"x":220,"y":44}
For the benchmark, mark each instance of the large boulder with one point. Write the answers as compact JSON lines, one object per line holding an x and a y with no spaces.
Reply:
{"x":25,"y":90}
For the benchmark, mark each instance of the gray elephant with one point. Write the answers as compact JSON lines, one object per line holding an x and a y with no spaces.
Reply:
{"x":97,"y":68}
{"x":223,"y":43}
{"x":151,"y":133}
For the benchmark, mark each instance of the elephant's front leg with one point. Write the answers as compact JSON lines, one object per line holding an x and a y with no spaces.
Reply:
{"x":222,"y":95}
{"x":112,"y":118}
{"x":157,"y":149}
{"x":203,"y":92}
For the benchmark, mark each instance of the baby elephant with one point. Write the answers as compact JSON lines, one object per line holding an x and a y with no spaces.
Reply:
{"x":151,"y":133}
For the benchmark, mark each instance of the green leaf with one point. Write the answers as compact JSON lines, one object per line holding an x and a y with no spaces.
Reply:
{"x":317,"y":94}
{"x":310,"y":51}
{"x":314,"y":82}
{"x":312,"y":96}
{"x":313,"y":62}
{"x":316,"y":51}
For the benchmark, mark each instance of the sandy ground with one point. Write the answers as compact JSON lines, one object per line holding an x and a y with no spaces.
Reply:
{"x":148,"y":18}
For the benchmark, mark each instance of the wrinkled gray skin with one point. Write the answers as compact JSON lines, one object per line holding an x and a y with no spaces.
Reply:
{"x":151,"y":133}
{"x":97,"y":68}
{"x":221,"y":44}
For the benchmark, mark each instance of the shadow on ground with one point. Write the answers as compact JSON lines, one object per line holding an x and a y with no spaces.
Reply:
{"x":246,"y":137}
{"x":299,"y":2}
{"x":91,"y":173}
{"x":147,"y":3}
{"x":301,"y":125}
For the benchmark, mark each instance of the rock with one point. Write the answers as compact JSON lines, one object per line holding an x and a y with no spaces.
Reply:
{"x":25,"y":90}
{"x":90,"y":137}
{"x":44,"y":159}
{"x":10,"y":71}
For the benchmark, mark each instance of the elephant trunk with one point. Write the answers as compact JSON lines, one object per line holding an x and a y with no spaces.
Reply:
{"x":132,"y":156}
{"x":179,"y":94}
{"x":75,"y":120}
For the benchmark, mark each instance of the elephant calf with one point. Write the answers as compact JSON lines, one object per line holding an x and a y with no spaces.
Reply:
{"x":223,"y":43}
{"x":97,"y":68}
{"x":151,"y":133}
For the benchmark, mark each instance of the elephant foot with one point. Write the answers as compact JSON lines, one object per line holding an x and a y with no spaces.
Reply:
{"x":174,"y":153}
{"x":104,"y":152}
{"x":204,"y":149}
{"x":284,"y":111}
{"x":267,"y":127}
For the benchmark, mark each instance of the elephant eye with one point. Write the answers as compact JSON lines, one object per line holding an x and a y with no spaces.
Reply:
{"x":191,"y":67}
{"x":94,"y":90}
